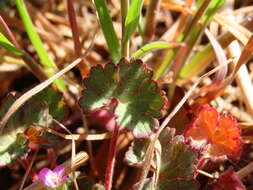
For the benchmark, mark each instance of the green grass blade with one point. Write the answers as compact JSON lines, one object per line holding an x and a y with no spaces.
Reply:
{"x":153,"y":46}
{"x":192,"y":32}
{"x":46,"y":61}
{"x":202,"y":59}
{"x":6,"y":44}
{"x":108,"y":30}
{"x":197,"y":31}
{"x":132,"y":18}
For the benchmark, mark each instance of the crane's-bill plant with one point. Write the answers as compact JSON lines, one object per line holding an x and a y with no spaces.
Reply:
{"x":128,"y":91}
{"x":126,"y":97}
{"x":178,"y":161}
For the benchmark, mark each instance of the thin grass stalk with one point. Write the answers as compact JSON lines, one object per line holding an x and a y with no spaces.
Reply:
{"x":150,"y":23}
{"x":8,"y":32}
{"x":46,"y":61}
{"x":190,"y":43}
{"x":83,"y":68}
{"x":124,"y":5}
{"x":33,"y":66}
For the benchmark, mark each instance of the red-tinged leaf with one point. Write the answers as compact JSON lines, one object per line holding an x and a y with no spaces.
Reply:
{"x":177,"y":162}
{"x":128,"y":91}
{"x":136,"y":152}
{"x":219,"y":136}
{"x":32,"y":131}
{"x":227,"y":181}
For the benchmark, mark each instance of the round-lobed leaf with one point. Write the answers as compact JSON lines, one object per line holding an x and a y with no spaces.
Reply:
{"x":128,"y":90}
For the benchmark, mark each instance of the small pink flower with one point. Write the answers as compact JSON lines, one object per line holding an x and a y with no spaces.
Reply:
{"x":52,"y":178}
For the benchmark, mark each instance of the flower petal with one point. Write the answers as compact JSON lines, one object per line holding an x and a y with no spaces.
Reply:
{"x":45,"y":176}
{"x":59,"y":170}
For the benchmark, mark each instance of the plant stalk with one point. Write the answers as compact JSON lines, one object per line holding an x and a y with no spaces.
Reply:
{"x":48,"y":64}
{"x":111,"y":159}
{"x":124,"y":5}
{"x":190,"y":35}
{"x":33,"y":66}
{"x":83,"y":68}
{"x":150,"y":23}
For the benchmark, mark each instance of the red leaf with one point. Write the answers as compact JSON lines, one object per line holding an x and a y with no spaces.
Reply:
{"x":33,"y":135}
{"x":227,"y":180}
{"x":219,"y":136}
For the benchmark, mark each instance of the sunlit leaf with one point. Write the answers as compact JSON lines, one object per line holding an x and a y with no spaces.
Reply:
{"x":132,"y":18}
{"x":136,"y":152}
{"x":34,"y":135}
{"x":177,"y":162}
{"x":154,"y":46}
{"x":108,"y":29}
{"x":219,"y":135}
{"x":128,"y":90}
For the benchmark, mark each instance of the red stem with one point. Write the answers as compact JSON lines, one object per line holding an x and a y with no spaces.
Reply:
{"x":75,"y":34}
{"x":111,"y":159}
{"x":25,"y":164}
{"x":202,"y":162}
{"x":8,"y":32}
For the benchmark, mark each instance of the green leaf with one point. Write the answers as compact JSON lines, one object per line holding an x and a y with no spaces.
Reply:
{"x":191,"y":34}
{"x":132,"y":18}
{"x":128,"y":88}
{"x":34,"y":111}
{"x":136,"y":152}
{"x":177,"y":159}
{"x":108,"y":30}
{"x":6,"y":44}
{"x":153,"y":46}
{"x":172,"y":185}
{"x":177,"y":162}
{"x":48,"y":64}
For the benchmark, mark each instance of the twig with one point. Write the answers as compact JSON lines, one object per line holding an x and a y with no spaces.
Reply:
{"x":205,"y":173}
{"x":8,"y":32}
{"x":242,"y":78}
{"x":242,"y":173}
{"x":73,"y":151}
{"x":32,"y":65}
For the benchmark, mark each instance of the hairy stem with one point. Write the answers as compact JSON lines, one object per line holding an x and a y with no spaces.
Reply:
{"x":111,"y":159}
